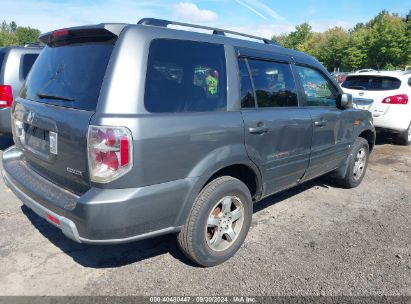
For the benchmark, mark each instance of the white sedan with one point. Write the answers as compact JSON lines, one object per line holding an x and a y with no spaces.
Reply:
{"x":387,"y":95}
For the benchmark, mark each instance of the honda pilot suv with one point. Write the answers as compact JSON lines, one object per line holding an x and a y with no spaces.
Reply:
{"x":124,"y":132}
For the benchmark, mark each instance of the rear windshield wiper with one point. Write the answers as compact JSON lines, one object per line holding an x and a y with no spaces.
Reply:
{"x":50,"y":96}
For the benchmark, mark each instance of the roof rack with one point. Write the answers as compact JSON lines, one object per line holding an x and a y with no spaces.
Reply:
{"x":32,"y":45}
{"x":216,"y":31}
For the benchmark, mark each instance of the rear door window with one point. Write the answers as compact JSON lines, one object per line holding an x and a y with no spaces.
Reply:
{"x":274,"y":84}
{"x":371,"y":83}
{"x":318,"y":90}
{"x":27,"y":62}
{"x":70,"y":75}
{"x":185,"y":76}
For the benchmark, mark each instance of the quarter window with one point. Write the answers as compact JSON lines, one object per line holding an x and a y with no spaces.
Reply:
{"x":185,"y":76}
{"x":317,"y":90}
{"x":1,"y":58}
{"x":28,"y":61}
{"x":274,"y":84}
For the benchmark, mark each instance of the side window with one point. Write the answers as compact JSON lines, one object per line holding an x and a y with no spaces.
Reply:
{"x":409,"y":81}
{"x":27,"y":62}
{"x":317,"y":90}
{"x":247,"y":94}
{"x":1,"y":59}
{"x":185,"y":76}
{"x":274,"y":84}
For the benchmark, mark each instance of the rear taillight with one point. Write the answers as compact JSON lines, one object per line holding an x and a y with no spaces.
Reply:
{"x":396,"y":99}
{"x":6,"y":96}
{"x":109,"y":153}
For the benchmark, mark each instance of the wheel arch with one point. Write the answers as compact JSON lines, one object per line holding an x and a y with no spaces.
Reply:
{"x":244,"y":173}
{"x":243,"y":169}
{"x":369,"y":136}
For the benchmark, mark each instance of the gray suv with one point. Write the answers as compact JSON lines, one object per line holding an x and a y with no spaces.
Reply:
{"x":15,"y":64}
{"x":124,"y":132}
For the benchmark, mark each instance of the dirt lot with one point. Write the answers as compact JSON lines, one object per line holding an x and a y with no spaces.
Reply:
{"x":317,"y":239}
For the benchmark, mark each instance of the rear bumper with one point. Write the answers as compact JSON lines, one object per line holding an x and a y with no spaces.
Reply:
{"x":100,"y":216}
{"x":397,"y":118}
{"x":5,"y":121}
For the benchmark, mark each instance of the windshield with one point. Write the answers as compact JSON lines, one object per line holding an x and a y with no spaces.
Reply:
{"x":69,"y":75}
{"x":371,"y":83}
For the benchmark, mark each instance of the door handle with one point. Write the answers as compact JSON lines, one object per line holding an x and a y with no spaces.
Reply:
{"x":258,"y":130}
{"x":320,"y":123}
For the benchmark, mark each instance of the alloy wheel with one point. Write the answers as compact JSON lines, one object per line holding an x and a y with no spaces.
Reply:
{"x":224,"y":223}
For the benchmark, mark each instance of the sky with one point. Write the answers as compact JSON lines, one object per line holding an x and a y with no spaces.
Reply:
{"x":257,"y":17}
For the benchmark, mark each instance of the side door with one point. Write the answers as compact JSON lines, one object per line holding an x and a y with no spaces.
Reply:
{"x":277,"y":130}
{"x":330,"y":141}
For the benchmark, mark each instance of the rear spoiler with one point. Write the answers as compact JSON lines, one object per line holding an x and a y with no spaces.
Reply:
{"x":98,"y":32}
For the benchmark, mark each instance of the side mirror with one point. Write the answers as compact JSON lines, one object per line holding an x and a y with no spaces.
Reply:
{"x":346,"y":101}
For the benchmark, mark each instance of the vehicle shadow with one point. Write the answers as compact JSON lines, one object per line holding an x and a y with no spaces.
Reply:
{"x":321,"y":182}
{"x":384,"y":138}
{"x":109,"y":256}
{"x":5,"y":142}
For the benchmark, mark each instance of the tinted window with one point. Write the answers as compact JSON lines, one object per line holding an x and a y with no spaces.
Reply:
{"x":274,"y":84}
{"x":371,"y":83}
{"x":1,"y":59}
{"x":409,"y":82}
{"x":72,"y":72}
{"x":28,"y":61}
{"x":247,"y":94}
{"x":317,"y":89}
{"x":185,"y":76}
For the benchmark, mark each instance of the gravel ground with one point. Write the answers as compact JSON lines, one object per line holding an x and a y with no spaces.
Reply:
{"x":316,"y":239}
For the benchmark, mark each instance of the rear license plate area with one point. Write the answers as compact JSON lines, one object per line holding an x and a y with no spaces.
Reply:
{"x":37,"y":139}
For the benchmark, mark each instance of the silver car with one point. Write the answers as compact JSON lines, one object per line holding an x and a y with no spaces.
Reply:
{"x":15,"y":64}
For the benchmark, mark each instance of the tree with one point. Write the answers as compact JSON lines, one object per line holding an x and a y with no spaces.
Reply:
{"x":295,"y":39}
{"x":355,"y":54}
{"x":388,"y":41}
{"x":6,"y":35}
{"x":8,"y":39}
{"x":11,"y":34}
{"x":13,"y":27}
{"x":382,"y":43}
{"x":331,"y":50}
{"x":27,"y":35}
{"x":4,"y":28}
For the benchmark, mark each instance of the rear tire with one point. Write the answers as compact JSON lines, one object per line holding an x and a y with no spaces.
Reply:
{"x":404,"y":138}
{"x":218,"y":223}
{"x":357,"y":163}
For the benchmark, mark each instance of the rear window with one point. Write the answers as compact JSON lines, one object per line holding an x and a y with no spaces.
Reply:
{"x":371,"y":83}
{"x":185,"y":76}
{"x":28,"y":61}
{"x":69,"y":75}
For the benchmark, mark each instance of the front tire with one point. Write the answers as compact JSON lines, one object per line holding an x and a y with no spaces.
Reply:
{"x":357,"y":164}
{"x":218,"y":223}
{"x":404,"y":138}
